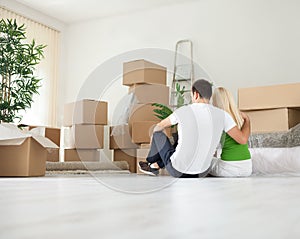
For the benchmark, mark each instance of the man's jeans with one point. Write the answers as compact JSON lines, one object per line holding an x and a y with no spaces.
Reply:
{"x":161,"y":151}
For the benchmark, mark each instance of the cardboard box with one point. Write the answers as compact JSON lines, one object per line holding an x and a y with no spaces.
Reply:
{"x":141,"y":71}
{"x":145,"y":93}
{"x":85,"y":112}
{"x":128,"y":155}
{"x":85,"y":155}
{"x":142,"y":112}
{"x":273,"y":120}
{"x":51,"y":133}
{"x":143,"y":130}
{"x":120,"y":138}
{"x":88,"y":136}
{"x":53,"y":155}
{"x":22,"y":154}
{"x":268,"y":97}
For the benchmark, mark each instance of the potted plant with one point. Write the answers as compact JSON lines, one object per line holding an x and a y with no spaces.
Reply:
{"x":18,"y":60}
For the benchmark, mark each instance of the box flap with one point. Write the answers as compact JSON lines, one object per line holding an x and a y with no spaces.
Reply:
{"x":46,"y":143}
{"x":11,"y":135}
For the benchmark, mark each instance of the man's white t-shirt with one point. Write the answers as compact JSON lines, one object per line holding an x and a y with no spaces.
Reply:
{"x":200,"y":127}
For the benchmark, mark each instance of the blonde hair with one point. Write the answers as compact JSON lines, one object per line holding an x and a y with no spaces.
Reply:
{"x":223,"y":99}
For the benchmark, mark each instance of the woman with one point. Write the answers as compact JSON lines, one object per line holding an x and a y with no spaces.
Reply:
{"x":235,"y":158}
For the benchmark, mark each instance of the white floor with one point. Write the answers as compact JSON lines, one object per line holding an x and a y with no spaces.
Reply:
{"x":149,"y":207}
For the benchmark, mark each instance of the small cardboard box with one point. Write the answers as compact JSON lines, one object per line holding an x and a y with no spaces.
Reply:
{"x":53,"y":155}
{"x":88,"y":136}
{"x":51,"y":133}
{"x":145,"y":93}
{"x":142,"y":112}
{"x":22,"y":154}
{"x":143,"y":130}
{"x":141,"y":71}
{"x":120,"y":138}
{"x":268,"y":97}
{"x":128,"y":155}
{"x":85,"y":112}
{"x":85,"y":155}
{"x":273,"y":120}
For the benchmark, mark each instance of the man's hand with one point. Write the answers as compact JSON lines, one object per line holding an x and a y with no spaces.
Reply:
{"x":158,"y":128}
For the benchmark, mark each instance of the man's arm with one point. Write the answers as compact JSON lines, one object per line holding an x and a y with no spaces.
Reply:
{"x":241,"y":136}
{"x":163,"y":124}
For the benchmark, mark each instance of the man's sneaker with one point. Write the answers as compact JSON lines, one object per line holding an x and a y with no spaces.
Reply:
{"x":146,"y":168}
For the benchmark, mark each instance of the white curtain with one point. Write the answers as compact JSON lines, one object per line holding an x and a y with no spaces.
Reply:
{"x":43,"y":111}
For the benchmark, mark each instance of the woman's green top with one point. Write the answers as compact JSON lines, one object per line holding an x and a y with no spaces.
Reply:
{"x":233,"y":151}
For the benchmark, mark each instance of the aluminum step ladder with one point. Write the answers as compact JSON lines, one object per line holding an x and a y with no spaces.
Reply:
{"x":183,"y":74}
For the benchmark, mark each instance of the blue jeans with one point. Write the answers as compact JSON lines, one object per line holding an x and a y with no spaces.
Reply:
{"x":161,"y":151}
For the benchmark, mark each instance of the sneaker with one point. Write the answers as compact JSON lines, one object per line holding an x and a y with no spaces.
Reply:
{"x":146,"y":168}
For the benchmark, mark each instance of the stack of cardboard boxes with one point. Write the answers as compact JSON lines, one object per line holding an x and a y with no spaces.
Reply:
{"x":271,"y":108}
{"x":86,"y":120}
{"x":147,"y":83}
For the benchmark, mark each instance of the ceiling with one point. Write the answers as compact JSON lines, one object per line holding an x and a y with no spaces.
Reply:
{"x":71,"y":11}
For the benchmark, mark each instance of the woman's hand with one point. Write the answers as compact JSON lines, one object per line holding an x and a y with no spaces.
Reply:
{"x":244,"y":116}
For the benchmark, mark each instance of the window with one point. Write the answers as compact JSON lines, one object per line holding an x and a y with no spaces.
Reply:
{"x":43,"y":110}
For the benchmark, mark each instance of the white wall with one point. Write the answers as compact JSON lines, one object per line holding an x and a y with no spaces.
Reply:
{"x":239,"y":43}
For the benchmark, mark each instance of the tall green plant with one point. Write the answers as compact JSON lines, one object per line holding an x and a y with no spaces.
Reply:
{"x":180,"y":95}
{"x":17,"y":67}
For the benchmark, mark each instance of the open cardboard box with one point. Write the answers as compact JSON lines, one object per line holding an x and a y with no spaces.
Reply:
{"x":22,"y":153}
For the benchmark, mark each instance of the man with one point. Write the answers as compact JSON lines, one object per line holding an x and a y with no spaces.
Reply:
{"x":200,"y":126}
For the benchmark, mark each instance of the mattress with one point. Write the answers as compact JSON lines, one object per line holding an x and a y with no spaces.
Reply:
{"x":275,"y":160}
{"x":276,"y":153}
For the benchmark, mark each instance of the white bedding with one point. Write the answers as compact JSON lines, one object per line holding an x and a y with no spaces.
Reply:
{"x":275,"y":160}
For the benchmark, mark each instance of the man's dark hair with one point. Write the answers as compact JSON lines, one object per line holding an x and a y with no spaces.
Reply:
{"x":203,"y":88}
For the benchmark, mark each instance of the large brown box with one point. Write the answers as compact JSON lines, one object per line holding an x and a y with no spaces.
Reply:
{"x":27,"y":159}
{"x":85,"y":155}
{"x":142,"y":112}
{"x":268,"y":97}
{"x":273,"y":120}
{"x":142,"y":131}
{"x":121,"y":138}
{"x":88,"y":136}
{"x":128,"y":155}
{"x":146,"y":93}
{"x":85,"y":112}
{"x":141,"y":71}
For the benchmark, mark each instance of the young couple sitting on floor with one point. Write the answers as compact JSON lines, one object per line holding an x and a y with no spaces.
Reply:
{"x":201,"y":127}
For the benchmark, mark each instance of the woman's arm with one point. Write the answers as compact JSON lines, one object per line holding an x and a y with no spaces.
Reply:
{"x":241,"y":136}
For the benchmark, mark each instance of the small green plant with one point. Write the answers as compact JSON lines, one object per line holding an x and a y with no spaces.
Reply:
{"x":17,"y":67}
{"x":162,"y":111}
{"x":180,"y":95}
